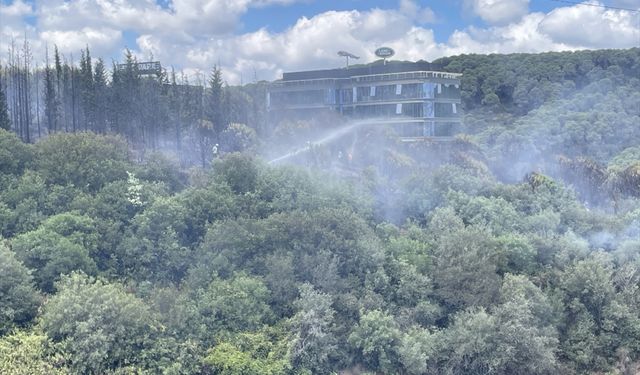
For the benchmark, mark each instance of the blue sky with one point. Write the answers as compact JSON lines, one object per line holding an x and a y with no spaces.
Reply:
{"x":263,"y":38}
{"x":451,"y":13}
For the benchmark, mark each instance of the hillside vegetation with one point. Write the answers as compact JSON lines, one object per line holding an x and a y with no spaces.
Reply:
{"x":515,"y":250}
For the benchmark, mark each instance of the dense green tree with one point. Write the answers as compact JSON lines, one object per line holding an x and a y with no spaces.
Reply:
{"x":154,"y":246}
{"x":203,"y":206}
{"x":99,"y":325}
{"x":85,"y":160}
{"x":597,"y":323}
{"x":159,"y":168}
{"x":526,"y":342}
{"x":79,"y":229}
{"x":30,"y":353}
{"x":234,"y":305}
{"x":313,"y":343}
{"x":417,"y":349}
{"x":249,"y":353}
{"x":469,"y":344}
{"x":376,"y":336}
{"x":15,"y":156}
{"x":239,"y":171}
{"x":24,"y":202}
{"x":464,"y":266}
{"x":50,"y":255}
{"x":18,"y":299}
{"x":280,"y":277}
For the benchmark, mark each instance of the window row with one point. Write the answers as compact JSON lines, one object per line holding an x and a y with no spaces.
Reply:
{"x":425,"y":90}
{"x":416,"y":110}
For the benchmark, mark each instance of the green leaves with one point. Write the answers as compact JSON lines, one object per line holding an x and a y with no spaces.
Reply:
{"x":313,"y":344}
{"x":15,"y":156}
{"x":51,"y":254}
{"x":30,"y":353}
{"x":376,"y":336}
{"x":234,"y":305}
{"x":100,"y":325}
{"x":84,"y":160}
{"x":18,"y":299}
{"x":517,"y":337}
{"x":249,"y":353}
{"x":245,"y":268}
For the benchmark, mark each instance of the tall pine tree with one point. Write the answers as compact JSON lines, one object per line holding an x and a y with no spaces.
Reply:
{"x":87,"y":94}
{"x":51,"y":99}
{"x":215,"y":101}
{"x":101,"y":98}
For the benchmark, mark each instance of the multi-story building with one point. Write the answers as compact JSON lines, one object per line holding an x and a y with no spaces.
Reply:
{"x":416,"y":98}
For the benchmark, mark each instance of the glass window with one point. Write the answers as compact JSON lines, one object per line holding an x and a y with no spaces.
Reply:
{"x":347,"y":96}
{"x":428,"y":109}
{"x":448,"y":91}
{"x":363,"y":93}
{"x":330,"y":96}
{"x":412,"y":109}
{"x":428,"y":90}
{"x":446,"y":110}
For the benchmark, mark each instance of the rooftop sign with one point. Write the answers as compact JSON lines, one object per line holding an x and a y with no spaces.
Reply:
{"x":385,"y":52}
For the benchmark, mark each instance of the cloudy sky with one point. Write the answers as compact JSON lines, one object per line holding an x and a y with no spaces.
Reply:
{"x":262,"y":38}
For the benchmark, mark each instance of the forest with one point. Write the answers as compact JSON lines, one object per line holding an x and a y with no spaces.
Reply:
{"x":128,"y":247}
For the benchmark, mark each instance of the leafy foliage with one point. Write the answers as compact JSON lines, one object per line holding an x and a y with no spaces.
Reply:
{"x":101,"y":326}
{"x":18,"y":299}
{"x":510,"y":250}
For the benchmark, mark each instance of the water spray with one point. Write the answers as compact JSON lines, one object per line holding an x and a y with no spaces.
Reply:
{"x":330,"y":137}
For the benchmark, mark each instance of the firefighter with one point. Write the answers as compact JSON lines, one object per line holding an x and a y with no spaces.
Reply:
{"x":214,"y":151}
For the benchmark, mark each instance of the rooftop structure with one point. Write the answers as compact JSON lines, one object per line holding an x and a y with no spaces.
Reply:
{"x":417,"y":99}
{"x":144,"y":68}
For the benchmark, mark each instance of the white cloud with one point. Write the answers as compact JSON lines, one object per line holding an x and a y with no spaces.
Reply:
{"x":102,"y":40}
{"x":193,"y":35}
{"x":499,"y":11}
{"x":181,"y":19}
{"x":311,"y":43}
{"x":420,"y":14}
{"x":16,"y":9}
{"x":592,"y":27}
{"x":522,"y":36}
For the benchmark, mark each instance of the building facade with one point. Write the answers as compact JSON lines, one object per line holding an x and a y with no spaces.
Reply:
{"x":415,"y":98}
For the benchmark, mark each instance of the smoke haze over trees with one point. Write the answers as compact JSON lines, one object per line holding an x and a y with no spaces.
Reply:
{"x":128,"y":246}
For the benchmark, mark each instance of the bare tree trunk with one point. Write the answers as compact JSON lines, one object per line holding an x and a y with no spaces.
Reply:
{"x":15,"y":112}
{"x":35,"y":76}
{"x":26,"y":96}
{"x":73,"y":97}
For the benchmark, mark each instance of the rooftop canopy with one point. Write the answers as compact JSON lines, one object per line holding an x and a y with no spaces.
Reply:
{"x":377,"y":67}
